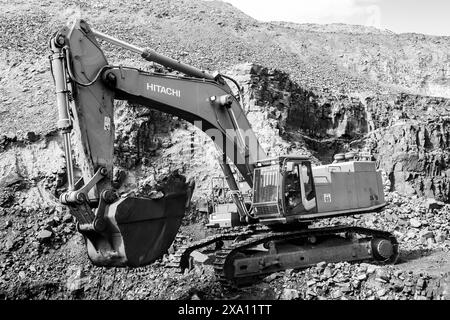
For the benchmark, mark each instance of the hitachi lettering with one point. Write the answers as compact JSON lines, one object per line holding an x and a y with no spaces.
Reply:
{"x":161,"y":89}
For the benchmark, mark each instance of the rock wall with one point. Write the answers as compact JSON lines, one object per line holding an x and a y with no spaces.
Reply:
{"x":411,"y":140}
{"x":408,"y":134}
{"x":416,"y":157}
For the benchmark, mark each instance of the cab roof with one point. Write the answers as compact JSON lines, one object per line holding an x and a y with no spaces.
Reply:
{"x":282,"y":158}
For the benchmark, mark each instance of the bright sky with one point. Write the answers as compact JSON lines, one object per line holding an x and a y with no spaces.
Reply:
{"x":420,"y":16}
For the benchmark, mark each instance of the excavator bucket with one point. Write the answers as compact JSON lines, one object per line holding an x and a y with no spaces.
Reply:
{"x":139,"y":230}
{"x":149,"y":221}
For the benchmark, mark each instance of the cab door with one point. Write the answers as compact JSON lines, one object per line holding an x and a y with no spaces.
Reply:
{"x":298,"y":188}
{"x":307,"y":187}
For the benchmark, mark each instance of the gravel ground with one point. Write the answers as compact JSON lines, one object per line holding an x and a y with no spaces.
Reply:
{"x":51,"y":264}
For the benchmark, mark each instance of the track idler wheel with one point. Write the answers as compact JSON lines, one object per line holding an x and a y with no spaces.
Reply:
{"x":384,"y":250}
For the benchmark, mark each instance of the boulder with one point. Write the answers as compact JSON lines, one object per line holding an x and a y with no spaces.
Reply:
{"x":44,"y":235}
{"x":199,"y":257}
{"x":289,"y":294}
{"x":415,"y":223}
{"x":433,"y":204}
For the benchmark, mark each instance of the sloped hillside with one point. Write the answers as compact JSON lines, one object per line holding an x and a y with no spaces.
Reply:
{"x":210,"y":35}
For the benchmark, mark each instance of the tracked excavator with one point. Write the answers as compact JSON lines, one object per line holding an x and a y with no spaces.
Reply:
{"x":288,"y":193}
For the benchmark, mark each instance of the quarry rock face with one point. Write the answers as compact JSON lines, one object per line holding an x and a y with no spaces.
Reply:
{"x":416,"y":158}
{"x":312,"y":89}
{"x":411,"y":140}
{"x":408,"y":134}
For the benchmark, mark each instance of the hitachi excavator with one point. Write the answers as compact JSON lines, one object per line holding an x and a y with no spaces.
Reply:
{"x":287,"y":192}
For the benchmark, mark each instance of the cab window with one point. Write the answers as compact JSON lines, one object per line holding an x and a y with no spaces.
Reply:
{"x":292,"y":189}
{"x":307,"y":180}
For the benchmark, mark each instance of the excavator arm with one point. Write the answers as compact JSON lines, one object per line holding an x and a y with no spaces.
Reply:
{"x":136,"y":231}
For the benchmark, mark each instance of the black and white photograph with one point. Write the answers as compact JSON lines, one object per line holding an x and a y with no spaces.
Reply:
{"x":189,"y":151}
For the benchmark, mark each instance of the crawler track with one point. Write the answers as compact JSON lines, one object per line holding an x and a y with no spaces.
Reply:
{"x":181,"y":257}
{"x":226,"y":258}
{"x":234,"y":265}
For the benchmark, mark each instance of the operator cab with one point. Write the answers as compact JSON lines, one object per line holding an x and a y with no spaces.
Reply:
{"x":283,"y":189}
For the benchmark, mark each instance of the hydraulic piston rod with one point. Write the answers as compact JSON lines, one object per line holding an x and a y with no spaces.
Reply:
{"x":235,"y":192}
{"x":62,"y":102}
{"x":152,"y":55}
{"x":117,"y":42}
